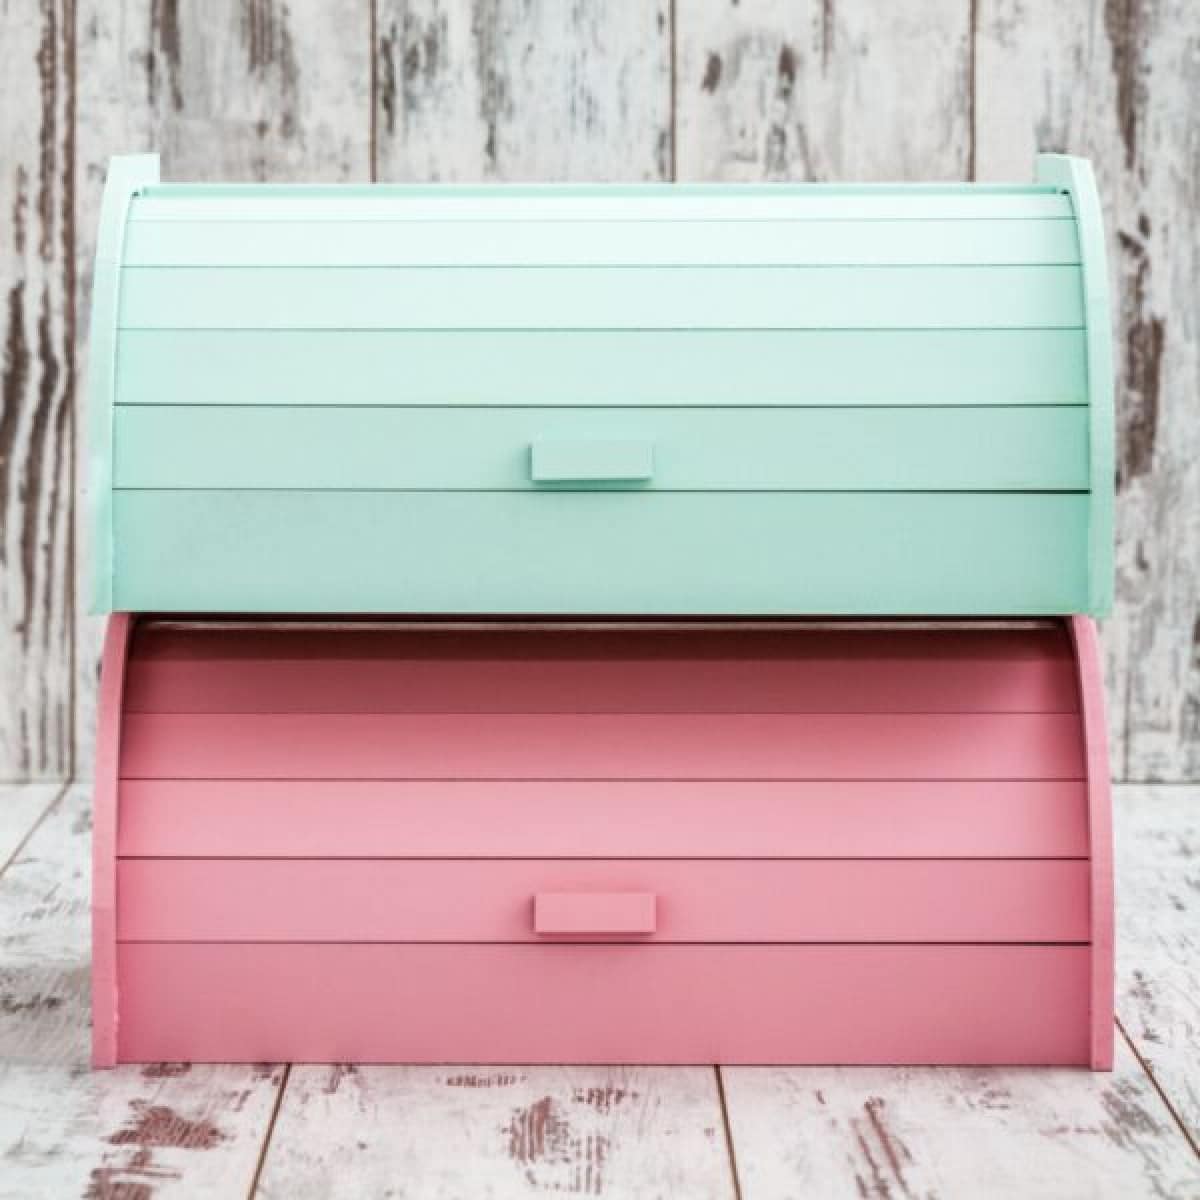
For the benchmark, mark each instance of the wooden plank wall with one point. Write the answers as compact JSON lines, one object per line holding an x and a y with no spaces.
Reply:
{"x":626,"y":89}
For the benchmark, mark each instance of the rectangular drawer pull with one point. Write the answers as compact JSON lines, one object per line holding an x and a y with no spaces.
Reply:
{"x":594,"y":912}
{"x":555,"y":460}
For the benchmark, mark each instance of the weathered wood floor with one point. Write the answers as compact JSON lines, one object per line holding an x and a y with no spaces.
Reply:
{"x":296,"y":1132}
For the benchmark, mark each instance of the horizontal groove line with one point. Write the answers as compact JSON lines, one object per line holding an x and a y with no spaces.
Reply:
{"x":554,"y":940}
{"x":599,"y":329}
{"x":601,"y":623}
{"x":543,"y":219}
{"x":573,"y":779}
{"x":1057,"y":264}
{"x":400,"y":713}
{"x":731,"y":407}
{"x":623,"y":329}
{"x":602,"y":858}
{"x":666,"y":219}
{"x":555,"y":490}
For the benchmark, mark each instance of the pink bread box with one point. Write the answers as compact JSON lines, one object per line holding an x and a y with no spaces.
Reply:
{"x":399,"y":841}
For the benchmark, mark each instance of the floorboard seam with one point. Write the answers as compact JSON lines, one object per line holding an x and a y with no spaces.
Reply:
{"x":729,"y":1150}
{"x":1162,"y":1095}
{"x":52,"y":804}
{"x":269,"y":1133}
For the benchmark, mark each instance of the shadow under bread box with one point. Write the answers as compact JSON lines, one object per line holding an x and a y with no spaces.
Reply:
{"x":811,"y":842}
{"x":711,"y":399}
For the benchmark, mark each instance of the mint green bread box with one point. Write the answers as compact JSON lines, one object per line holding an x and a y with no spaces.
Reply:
{"x":761,"y":399}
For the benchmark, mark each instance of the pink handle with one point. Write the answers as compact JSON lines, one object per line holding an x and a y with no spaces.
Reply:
{"x":594,"y":912}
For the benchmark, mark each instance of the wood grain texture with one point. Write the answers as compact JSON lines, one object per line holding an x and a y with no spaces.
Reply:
{"x":441,"y":1133}
{"x":223,"y":666}
{"x":36,"y":382}
{"x":163,"y":1130}
{"x":1119,"y":82}
{"x":179,"y":818}
{"x":237,"y":90}
{"x":1158,"y":938}
{"x":773,"y":900}
{"x":773,"y":89}
{"x":602,"y":746}
{"x":542,"y":90}
{"x":1042,"y":1135}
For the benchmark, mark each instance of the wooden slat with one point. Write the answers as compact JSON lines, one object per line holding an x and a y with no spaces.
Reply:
{"x":944,"y":1004}
{"x":613,"y":819}
{"x":1036,"y":448}
{"x":663,"y":367}
{"x":587,"y":203}
{"x":592,"y":746}
{"x":307,"y":668}
{"x":36,"y":380}
{"x":600,"y":298}
{"x":806,"y":900}
{"x":633,"y":1132}
{"x":597,"y":243}
{"x":613,"y":552}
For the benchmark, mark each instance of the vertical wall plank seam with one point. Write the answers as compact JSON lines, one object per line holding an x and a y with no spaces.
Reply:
{"x":70,"y":239}
{"x":674,"y":88}
{"x":373,"y":75}
{"x":972,"y":86}
{"x":1126,"y":718}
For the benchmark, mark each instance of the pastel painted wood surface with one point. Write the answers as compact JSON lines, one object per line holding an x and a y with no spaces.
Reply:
{"x":526,"y":242}
{"x":766,"y":900}
{"x":448,"y":1132}
{"x":1158,"y":942}
{"x":1035,"y":448}
{"x":619,"y":552}
{"x":601,"y":746}
{"x":598,"y":368}
{"x":170,"y":1130}
{"x":372,"y":666}
{"x":585,"y":202}
{"x":613,"y":818}
{"x":254,"y":1001}
{"x":574,"y":298}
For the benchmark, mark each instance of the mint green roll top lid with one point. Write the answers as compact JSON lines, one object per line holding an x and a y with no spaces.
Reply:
{"x":767,"y":399}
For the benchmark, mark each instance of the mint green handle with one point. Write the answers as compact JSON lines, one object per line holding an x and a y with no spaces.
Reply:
{"x":600,"y":460}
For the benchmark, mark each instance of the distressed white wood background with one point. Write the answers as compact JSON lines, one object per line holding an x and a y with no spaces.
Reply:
{"x":624,"y":89}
